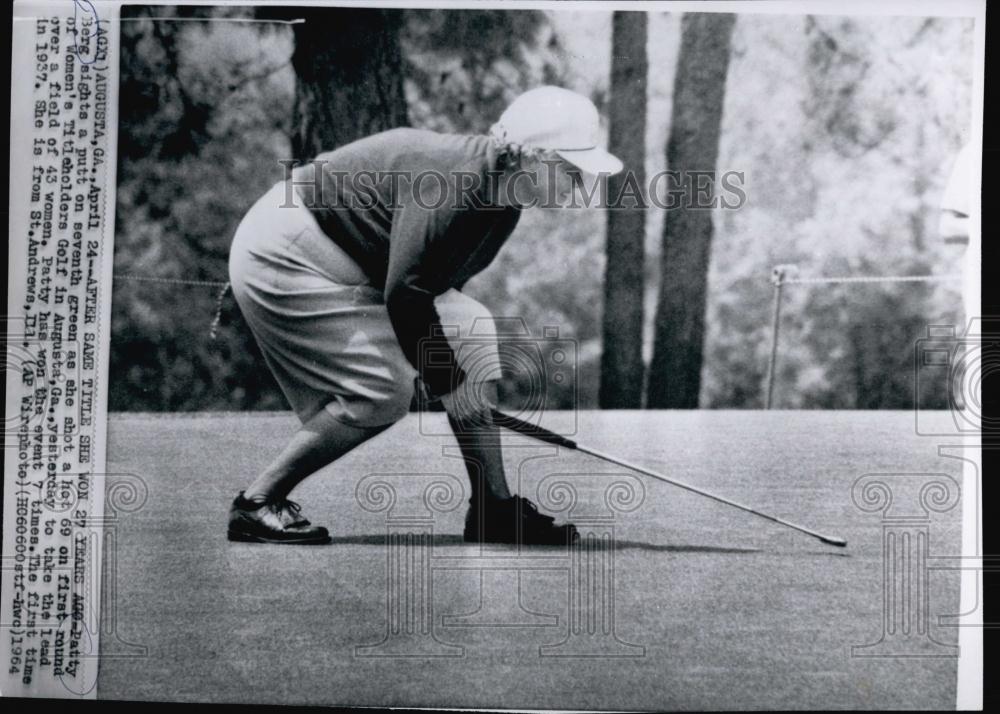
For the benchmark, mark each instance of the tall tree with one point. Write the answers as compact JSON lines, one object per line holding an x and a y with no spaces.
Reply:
{"x":349,"y":75}
{"x":692,"y":149}
{"x":465,"y":66}
{"x":621,"y":358}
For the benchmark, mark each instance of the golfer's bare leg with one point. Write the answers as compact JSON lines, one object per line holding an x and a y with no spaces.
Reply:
{"x":320,"y":441}
{"x":479,"y":441}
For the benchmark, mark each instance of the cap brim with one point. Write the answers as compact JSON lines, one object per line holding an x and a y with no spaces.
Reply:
{"x":594,"y":161}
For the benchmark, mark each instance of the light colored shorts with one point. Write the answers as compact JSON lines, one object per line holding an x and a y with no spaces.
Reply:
{"x":323,"y":327}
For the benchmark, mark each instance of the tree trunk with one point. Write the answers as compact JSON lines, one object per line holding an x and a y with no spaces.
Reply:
{"x":350,"y":77}
{"x":693,"y":146}
{"x":621,"y":358}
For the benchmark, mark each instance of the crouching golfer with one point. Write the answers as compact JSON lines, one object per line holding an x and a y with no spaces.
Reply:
{"x":347,"y":273}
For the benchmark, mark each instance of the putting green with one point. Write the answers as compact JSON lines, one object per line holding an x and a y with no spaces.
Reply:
{"x":689,"y":605}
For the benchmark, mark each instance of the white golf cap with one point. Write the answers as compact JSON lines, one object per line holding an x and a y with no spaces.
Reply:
{"x":558,"y":120}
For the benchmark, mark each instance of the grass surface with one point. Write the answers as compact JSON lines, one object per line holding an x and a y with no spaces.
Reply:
{"x":730,"y":611}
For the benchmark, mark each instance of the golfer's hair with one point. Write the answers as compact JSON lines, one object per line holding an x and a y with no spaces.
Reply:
{"x":510,"y":154}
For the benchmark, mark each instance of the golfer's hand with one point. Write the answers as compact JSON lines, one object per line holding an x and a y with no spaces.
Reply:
{"x":469,"y":405}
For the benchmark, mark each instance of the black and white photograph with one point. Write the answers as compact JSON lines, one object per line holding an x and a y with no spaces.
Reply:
{"x":529,"y":356}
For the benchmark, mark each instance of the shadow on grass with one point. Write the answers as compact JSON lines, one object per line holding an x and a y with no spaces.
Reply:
{"x":453,"y":540}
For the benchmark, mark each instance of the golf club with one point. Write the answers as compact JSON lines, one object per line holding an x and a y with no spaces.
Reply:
{"x":527,"y":429}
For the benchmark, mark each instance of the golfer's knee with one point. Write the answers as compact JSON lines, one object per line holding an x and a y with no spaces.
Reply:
{"x":490,"y":393}
{"x":472,"y":400}
{"x":377,"y":409}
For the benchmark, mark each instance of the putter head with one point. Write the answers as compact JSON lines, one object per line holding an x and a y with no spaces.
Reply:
{"x":834,"y":540}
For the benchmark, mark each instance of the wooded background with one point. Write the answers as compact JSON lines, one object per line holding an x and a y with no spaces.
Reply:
{"x":845,"y":129}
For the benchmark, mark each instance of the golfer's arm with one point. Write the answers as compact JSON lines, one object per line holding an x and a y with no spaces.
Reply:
{"x":409,"y":299}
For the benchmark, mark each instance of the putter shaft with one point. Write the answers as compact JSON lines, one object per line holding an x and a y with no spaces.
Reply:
{"x":833,"y":540}
{"x":543,"y":434}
